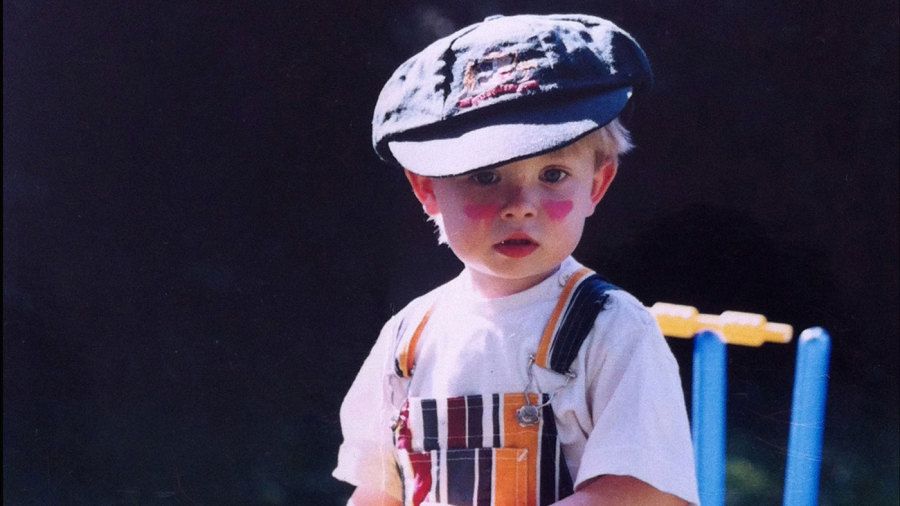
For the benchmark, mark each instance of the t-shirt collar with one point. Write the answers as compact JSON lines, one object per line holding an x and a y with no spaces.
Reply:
{"x":464,"y":293}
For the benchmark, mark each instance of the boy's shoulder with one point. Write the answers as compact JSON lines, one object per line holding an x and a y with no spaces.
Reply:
{"x":624,"y":310}
{"x":623,"y":305}
{"x":626,"y":326}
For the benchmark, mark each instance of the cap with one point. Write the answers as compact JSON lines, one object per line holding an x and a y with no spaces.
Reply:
{"x":504,"y":89}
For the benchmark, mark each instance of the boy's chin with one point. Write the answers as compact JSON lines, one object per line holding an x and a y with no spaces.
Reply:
{"x":512,"y":268}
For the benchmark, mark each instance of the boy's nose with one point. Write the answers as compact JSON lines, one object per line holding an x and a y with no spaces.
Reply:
{"x":519,"y":203}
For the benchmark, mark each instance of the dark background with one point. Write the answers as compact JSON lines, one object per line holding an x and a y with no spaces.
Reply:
{"x":199,"y":245}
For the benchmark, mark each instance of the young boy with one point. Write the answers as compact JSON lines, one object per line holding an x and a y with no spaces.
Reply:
{"x":527,"y":379}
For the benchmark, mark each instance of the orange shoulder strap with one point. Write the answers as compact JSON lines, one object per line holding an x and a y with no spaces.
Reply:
{"x":406,"y":360}
{"x":542,"y":357}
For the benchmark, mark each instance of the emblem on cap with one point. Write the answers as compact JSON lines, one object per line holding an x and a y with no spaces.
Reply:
{"x":497,"y":74}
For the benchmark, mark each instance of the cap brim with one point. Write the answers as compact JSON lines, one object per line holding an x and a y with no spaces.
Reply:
{"x":495,"y":139}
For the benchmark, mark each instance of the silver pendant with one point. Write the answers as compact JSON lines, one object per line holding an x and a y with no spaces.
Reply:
{"x":528,"y":415}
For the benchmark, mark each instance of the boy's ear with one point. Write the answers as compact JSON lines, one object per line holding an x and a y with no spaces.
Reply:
{"x":604,"y":174}
{"x":423,"y":187}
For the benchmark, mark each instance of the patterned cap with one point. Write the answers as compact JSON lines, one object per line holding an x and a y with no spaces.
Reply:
{"x":505,"y":89}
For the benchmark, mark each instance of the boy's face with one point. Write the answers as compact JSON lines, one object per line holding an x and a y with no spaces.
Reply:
{"x":513,"y":225}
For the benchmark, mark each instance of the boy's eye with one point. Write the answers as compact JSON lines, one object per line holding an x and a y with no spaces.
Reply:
{"x":485,"y":177}
{"x":553,"y":175}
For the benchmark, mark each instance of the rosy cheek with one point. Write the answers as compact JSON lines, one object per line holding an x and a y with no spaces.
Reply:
{"x":557,"y":209}
{"x":481,"y":211}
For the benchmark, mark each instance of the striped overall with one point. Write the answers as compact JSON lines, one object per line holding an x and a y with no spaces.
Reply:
{"x":495,"y":449}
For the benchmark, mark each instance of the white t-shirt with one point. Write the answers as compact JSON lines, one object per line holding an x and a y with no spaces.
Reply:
{"x":623,"y":413}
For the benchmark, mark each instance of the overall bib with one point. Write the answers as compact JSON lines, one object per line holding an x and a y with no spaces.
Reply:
{"x":494,"y":449}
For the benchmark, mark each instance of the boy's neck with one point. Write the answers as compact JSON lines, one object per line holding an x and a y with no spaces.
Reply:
{"x":493,"y":287}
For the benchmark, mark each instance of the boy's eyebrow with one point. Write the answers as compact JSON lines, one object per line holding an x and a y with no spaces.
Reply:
{"x":555,"y":157}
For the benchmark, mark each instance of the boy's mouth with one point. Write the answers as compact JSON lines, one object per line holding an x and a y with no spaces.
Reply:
{"x":516,"y":246}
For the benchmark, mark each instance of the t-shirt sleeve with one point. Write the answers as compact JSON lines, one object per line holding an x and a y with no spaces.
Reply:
{"x":640,"y":425}
{"x":365,"y":457}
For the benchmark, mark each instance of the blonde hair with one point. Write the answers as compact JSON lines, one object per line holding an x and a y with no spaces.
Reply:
{"x":607,"y":143}
{"x":615,"y":140}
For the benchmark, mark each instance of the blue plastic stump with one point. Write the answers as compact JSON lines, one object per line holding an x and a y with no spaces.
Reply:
{"x":804,"y":458}
{"x":708,"y":413}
